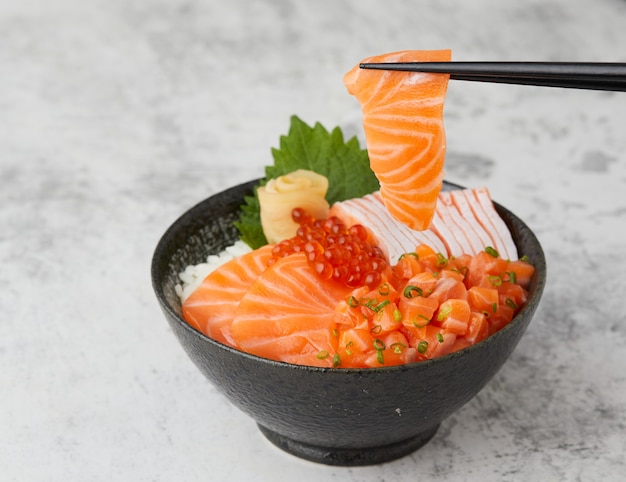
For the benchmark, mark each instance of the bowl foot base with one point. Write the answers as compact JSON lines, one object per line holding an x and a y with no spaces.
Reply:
{"x":349,"y":456}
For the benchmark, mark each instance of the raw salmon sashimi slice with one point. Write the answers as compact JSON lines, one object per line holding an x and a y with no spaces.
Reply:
{"x":211,"y":306}
{"x":476,"y":204}
{"x":489,"y":216}
{"x":288,"y":314}
{"x":465,"y":222}
{"x":455,"y":243}
{"x":393,"y":237}
{"x":404,"y":132}
{"x":463,"y":229}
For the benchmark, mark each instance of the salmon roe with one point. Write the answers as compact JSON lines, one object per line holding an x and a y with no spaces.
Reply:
{"x":334,"y":250}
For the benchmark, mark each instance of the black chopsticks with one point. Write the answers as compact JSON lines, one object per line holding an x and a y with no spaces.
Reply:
{"x":572,"y":75}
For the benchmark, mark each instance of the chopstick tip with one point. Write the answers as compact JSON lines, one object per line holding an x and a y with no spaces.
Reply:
{"x":370,"y":66}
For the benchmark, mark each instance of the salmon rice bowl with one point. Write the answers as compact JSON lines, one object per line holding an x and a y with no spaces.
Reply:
{"x":352,"y":299}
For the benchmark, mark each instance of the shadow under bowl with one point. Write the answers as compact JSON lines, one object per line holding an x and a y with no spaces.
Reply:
{"x":335,"y":416}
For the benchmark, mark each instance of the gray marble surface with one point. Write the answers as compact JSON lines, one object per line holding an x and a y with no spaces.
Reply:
{"x":118,"y":115}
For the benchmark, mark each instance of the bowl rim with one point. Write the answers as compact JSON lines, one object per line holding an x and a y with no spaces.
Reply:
{"x":538,"y":282}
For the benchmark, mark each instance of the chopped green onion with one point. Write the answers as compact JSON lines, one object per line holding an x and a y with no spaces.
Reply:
{"x":379,"y":346}
{"x":322,"y":355}
{"x":440,"y":337}
{"x":444,"y":312}
{"x":423,"y":317}
{"x":511,"y":304}
{"x":495,"y":280}
{"x":492,"y":252}
{"x":371,"y":304}
{"x":397,"y":315}
{"x":486,"y":313}
{"x":383,"y":289}
{"x":380,"y":305}
{"x":335,"y":333}
{"x":336,"y":360}
{"x":397,"y":347}
{"x":512,"y":277}
{"x":411,"y":291}
{"x":524,"y":259}
{"x":415,"y":255}
{"x":442,"y":261}
{"x":376,"y":329}
{"x":463,"y":270}
{"x":422,"y":346}
{"x":494,"y":307}
{"x":353,"y":302}
{"x":348,"y":345}
{"x":380,"y":357}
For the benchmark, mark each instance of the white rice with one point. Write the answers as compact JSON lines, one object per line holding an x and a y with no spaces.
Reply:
{"x":193,"y":275}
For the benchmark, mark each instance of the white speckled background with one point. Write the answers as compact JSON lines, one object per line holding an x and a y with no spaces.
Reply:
{"x":116,"y":116}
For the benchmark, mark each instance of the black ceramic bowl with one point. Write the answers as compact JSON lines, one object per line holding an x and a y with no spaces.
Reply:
{"x":333,"y":416}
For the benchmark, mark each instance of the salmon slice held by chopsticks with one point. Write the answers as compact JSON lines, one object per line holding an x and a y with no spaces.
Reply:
{"x":404,"y":132}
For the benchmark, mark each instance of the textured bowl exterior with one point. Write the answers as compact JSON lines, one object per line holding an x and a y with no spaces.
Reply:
{"x":335,"y":416}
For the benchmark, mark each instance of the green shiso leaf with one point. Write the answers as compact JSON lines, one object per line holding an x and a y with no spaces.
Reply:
{"x":315,"y":148}
{"x":249,"y":224}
